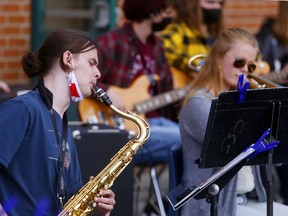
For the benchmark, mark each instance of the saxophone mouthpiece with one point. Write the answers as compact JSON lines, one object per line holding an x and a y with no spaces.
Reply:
{"x":102,"y":96}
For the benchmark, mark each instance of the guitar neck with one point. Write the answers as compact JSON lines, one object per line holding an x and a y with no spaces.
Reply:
{"x":160,"y":100}
{"x":276,"y":76}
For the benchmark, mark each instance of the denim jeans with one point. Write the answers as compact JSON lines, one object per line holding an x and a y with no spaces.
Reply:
{"x":163,"y":134}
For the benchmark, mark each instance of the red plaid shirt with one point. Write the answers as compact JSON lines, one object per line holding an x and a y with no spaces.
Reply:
{"x":119,"y":50}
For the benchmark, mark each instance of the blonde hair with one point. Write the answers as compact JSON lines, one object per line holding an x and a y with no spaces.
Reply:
{"x":210,"y":76}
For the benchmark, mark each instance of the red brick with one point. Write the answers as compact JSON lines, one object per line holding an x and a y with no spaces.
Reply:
{"x":11,"y":7}
{"x":19,"y":42}
{"x":11,"y":30}
{"x":8,"y":53}
{"x":27,"y":8}
{"x":18,"y":19}
{"x":14,"y":65}
{"x":10,"y":76}
{"x":2,"y":19}
{"x":2,"y":42}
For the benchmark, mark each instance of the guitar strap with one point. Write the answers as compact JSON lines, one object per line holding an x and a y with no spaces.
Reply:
{"x":151,"y":79}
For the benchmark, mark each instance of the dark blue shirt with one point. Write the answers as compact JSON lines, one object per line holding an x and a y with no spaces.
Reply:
{"x":29,"y":158}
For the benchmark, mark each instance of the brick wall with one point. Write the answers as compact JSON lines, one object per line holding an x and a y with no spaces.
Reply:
{"x":14,"y":38}
{"x":248,"y":14}
{"x":15,"y":28}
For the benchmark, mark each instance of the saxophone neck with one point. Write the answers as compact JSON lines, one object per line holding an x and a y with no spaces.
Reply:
{"x":141,"y":124}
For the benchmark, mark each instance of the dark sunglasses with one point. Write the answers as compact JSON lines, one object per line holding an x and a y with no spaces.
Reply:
{"x":239,"y":63}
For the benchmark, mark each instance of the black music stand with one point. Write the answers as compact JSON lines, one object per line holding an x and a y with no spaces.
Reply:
{"x":211,"y":187}
{"x":233,"y":126}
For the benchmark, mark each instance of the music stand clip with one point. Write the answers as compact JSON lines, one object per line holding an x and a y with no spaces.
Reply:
{"x":262,"y":145}
{"x":242,"y":88}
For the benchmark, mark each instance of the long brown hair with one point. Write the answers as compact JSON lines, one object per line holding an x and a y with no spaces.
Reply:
{"x":189,"y":12}
{"x":210,"y":76}
{"x":37,"y":63}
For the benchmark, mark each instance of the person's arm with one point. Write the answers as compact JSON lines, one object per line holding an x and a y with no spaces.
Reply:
{"x":4,"y":87}
{"x":196,"y":116}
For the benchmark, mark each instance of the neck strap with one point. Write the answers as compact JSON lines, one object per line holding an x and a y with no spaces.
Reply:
{"x":47,"y":97}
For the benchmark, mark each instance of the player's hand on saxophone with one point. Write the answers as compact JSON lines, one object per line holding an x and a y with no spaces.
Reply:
{"x":105,"y":202}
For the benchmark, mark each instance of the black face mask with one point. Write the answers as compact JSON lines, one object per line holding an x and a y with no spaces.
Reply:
{"x":161,"y":25}
{"x":211,"y":15}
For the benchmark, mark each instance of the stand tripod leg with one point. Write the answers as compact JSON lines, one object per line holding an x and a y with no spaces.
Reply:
{"x":157,"y":191}
{"x":269,"y":192}
{"x":213,"y":193}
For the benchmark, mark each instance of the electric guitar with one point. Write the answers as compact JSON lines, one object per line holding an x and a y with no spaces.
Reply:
{"x":277,"y":77}
{"x":180,"y":78}
{"x":135,"y":98}
{"x":263,"y":70}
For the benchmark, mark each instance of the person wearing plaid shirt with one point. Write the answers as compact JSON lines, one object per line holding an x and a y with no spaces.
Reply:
{"x":196,"y":24}
{"x":133,"y":50}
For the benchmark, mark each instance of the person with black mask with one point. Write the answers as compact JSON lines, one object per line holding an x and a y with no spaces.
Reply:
{"x":131,"y":52}
{"x":196,"y":24}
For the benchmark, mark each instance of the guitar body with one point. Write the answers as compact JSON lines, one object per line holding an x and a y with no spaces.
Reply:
{"x":136,"y":92}
{"x":180,"y":78}
{"x":262,"y":68}
{"x":136,"y":100}
{"x":268,"y":77}
{"x":93,"y":111}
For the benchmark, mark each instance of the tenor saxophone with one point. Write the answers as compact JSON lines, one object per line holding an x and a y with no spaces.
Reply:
{"x":82,"y":202}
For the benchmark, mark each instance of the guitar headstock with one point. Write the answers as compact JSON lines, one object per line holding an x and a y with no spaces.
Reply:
{"x":263,"y":67}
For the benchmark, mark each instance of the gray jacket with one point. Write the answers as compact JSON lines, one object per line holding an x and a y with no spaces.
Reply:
{"x":192,"y":122}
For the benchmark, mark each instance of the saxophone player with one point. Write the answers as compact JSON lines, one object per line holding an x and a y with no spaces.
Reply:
{"x":39,"y":169}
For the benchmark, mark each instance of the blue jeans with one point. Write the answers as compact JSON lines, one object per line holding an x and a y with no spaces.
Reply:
{"x":163,"y":134}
